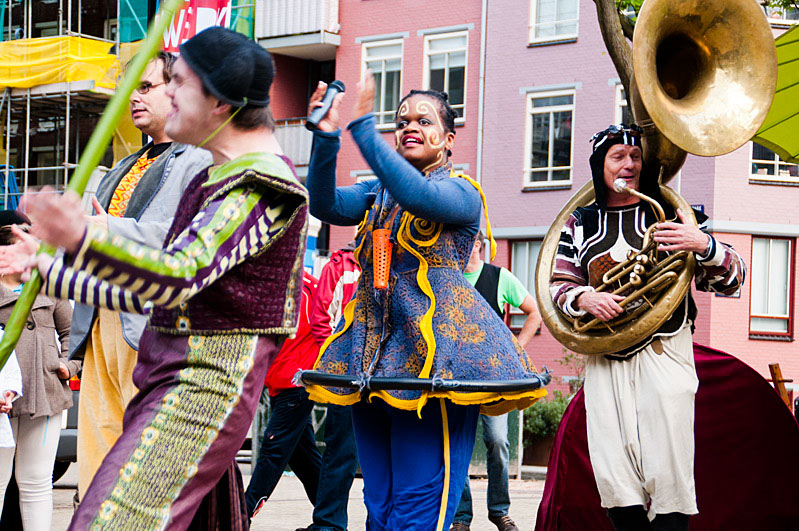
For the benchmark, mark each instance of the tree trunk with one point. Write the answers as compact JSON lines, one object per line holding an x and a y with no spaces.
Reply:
{"x":620,"y":52}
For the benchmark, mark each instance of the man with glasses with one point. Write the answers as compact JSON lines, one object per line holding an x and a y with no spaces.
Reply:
{"x":639,"y":402}
{"x":136,"y":199}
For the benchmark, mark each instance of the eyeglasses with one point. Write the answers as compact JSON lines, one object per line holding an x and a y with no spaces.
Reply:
{"x":617,"y":130}
{"x":146,"y":86}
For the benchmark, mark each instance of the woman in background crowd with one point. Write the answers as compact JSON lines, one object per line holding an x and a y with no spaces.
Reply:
{"x":36,"y":415}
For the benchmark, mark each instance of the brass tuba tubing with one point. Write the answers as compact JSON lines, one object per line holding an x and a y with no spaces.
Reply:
{"x":669,"y":276}
{"x":657,"y":284}
{"x":620,"y":186}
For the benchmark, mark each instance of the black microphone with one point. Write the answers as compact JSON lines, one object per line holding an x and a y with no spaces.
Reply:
{"x":320,"y":112}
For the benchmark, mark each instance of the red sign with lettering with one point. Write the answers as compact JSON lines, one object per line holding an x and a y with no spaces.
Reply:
{"x":192,"y":18}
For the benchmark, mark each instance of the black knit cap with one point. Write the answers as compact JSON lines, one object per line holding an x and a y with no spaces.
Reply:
{"x":13,"y":217}
{"x":232,"y":67}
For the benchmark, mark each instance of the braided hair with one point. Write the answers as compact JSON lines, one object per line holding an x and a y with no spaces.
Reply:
{"x":445,"y":111}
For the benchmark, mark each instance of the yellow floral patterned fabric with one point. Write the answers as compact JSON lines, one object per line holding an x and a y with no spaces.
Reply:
{"x":119,"y":201}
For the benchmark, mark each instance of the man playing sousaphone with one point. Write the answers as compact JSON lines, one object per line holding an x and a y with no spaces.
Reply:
{"x":639,"y":402}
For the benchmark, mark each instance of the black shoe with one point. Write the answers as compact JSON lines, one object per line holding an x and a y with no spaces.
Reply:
{"x":459,"y":526}
{"x":632,"y":518}
{"x":503,"y":523}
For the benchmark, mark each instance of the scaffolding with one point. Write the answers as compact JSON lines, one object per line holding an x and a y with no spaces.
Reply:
{"x":46,"y":126}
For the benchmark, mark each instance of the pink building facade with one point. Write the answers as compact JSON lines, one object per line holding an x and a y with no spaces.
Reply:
{"x":555,"y":79}
{"x":534,"y":83}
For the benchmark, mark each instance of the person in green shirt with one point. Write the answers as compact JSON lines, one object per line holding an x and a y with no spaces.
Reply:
{"x":499,"y":287}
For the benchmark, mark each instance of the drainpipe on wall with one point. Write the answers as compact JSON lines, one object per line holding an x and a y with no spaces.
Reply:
{"x":481,"y":92}
{"x":480,"y":98}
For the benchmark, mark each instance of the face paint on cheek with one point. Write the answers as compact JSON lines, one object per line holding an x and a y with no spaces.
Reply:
{"x":396,"y":139}
{"x":433,"y":138}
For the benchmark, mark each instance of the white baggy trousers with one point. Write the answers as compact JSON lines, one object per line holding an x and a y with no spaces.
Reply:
{"x":640,"y":421}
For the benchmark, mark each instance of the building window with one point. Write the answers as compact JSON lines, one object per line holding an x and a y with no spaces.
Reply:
{"x":553,"y":20}
{"x":788,"y":15}
{"x":768,"y":166}
{"x":445,"y":67}
{"x":548,"y":139}
{"x":524,"y":257}
{"x":771,"y":293}
{"x":384,"y":59}
{"x":622,"y":114}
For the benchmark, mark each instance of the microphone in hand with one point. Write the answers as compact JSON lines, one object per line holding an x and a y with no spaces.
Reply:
{"x":320,"y":112}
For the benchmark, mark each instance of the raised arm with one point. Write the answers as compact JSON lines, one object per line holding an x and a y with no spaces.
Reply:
{"x":453,"y":201}
{"x":337,"y":205}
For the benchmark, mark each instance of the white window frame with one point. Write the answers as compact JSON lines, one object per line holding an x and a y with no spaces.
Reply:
{"x":426,"y":72}
{"x":532,"y":39}
{"x":620,"y":102}
{"x":528,"y":139}
{"x":777,"y":161}
{"x":376,"y":44}
{"x":788,"y":315}
{"x":528,"y":278}
{"x":775,"y":16}
{"x":364,"y":176}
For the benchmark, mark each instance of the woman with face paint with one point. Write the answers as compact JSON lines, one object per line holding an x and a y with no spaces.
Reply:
{"x":413,"y":315}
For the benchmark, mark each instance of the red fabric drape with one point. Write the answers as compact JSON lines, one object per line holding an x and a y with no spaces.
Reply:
{"x":747,"y":457}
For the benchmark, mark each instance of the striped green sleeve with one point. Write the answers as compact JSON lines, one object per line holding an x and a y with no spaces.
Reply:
{"x":227,"y":231}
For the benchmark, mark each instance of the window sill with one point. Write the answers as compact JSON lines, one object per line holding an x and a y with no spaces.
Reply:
{"x":548,"y":42}
{"x":769,"y":337}
{"x":547,"y":187}
{"x":773,"y":182}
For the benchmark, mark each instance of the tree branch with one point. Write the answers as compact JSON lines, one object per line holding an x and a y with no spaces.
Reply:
{"x":620,"y":52}
{"x":627,"y":26}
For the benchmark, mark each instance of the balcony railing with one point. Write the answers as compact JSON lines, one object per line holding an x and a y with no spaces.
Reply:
{"x":296,"y":141}
{"x":280,"y":18}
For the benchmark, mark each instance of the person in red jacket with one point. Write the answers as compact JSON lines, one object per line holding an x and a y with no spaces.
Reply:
{"x":337,"y":284}
{"x":289,"y":436}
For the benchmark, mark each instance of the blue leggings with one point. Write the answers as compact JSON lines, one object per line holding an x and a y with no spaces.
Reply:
{"x":404,"y":462}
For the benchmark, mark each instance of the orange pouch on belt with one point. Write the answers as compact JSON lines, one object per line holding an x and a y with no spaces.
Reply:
{"x":381,"y":256}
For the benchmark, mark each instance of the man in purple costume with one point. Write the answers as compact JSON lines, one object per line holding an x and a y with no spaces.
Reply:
{"x":222,"y":296}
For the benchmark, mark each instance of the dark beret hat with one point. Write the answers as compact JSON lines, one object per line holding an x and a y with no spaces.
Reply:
{"x":232,"y":67}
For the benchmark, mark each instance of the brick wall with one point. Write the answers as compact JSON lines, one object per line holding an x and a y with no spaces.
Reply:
{"x":289,"y":92}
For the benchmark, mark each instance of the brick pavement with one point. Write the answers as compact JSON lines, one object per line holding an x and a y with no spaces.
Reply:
{"x":289,"y":508}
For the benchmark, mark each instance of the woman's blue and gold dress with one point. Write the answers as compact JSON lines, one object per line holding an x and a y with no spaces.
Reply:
{"x":428,"y":323}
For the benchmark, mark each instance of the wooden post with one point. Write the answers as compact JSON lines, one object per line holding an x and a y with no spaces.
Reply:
{"x":779,"y":383}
